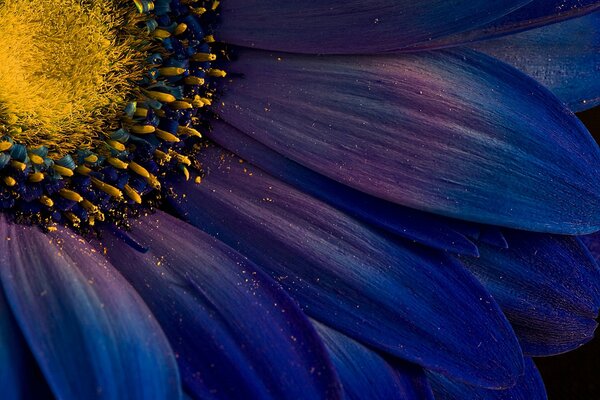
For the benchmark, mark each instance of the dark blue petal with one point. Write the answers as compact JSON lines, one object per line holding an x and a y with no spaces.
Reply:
{"x":425,"y":228}
{"x":13,"y":351}
{"x":351,"y":26}
{"x":366,"y":375}
{"x":455,"y":133}
{"x":564,"y":57}
{"x":20,"y":377}
{"x":237,"y":334}
{"x":548,"y":287}
{"x":534,"y":15}
{"x":405,"y":300}
{"x":91,"y":334}
{"x":592,"y":242}
{"x":529,"y":387}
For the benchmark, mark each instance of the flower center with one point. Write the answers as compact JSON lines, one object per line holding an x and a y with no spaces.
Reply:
{"x":101,"y":102}
{"x":67,"y":70}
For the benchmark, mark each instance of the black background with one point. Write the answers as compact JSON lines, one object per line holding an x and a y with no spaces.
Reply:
{"x":576,"y":375}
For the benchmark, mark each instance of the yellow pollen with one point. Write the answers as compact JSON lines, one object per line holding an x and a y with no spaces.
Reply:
{"x":67,"y":69}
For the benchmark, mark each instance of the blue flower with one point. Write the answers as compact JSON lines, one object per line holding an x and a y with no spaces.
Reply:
{"x":389,"y":209}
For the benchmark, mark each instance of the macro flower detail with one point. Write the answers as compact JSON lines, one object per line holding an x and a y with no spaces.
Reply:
{"x":295,"y":200}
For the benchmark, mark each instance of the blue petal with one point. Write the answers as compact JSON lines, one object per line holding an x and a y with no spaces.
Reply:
{"x":90,"y":333}
{"x":425,"y":228}
{"x":529,"y":387}
{"x":548,"y":287}
{"x":534,"y":15}
{"x":20,"y":377}
{"x":563,"y":57}
{"x":366,"y":375}
{"x":13,"y":355}
{"x":351,"y":26}
{"x":414,"y":303}
{"x":592,"y":242}
{"x":455,"y":133}
{"x":237,"y":334}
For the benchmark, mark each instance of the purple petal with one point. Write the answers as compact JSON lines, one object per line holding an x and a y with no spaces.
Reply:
{"x":534,"y":15}
{"x":91,"y":334}
{"x":429,"y":229}
{"x":237,"y":334}
{"x":366,"y":375}
{"x":400,"y":298}
{"x":563,"y":57}
{"x":351,"y":26}
{"x":548,"y":287}
{"x":529,"y":387}
{"x":455,"y":133}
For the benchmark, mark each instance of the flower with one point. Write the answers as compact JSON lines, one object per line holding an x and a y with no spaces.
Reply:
{"x":385,"y":212}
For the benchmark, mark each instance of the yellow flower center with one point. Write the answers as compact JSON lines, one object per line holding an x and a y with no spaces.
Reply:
{"x":67,"y":70}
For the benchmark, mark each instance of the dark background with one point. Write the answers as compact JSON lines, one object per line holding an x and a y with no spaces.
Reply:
{"x":576,"y":375}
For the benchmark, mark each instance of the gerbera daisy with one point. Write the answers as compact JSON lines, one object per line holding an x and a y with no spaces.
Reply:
{"x":266,"y":199}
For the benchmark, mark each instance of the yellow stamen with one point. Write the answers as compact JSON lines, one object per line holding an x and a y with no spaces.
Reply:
{"x":47,"y":201}
{"x":116,"y":145}
{"x":171,"y":71}
{"x":182,"y":27}
{"x":106,"y":188}
{"x":36,"y":159}
{"x":83,"y":170}
{"x":70,"y":195}
{"x":10,"y":181}
{"x":5,"y":146}
{"x":132,"y":194}
{"x":36,"y":177}
{"x":142,"y":129}
{"x":63,"y":171}
{"x":67,"y":70}
{"x":92,"y":158}
{"x":138,"y":169}
{"x":217,"y":73}
{"x":160,"y":96}
{"x":166,"y":136}
{"x":186,"y":130}
{"x":115,"y":162}
{"x":202,"y":57}
{"x":193,"y":80}
{"x":18,"y":165}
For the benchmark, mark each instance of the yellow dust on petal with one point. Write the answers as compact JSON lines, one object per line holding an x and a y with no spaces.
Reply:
{"x":67,"y":69}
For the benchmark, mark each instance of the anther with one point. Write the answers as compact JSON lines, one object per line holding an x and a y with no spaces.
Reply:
{"x":182,"y":27}
{"x":132,"y":194}
{"x":116,"y":145}
{"x":91,"y":159}
{"x":83,"y":170}
{"x":5,"y":145}
{"x":186,"y":130}
{"x":193,"y":80}
{"x":70,"y":195}
{"x":115,"y":162}
{"x":18,"y":165}
{"x":217,"y":73}
{"x":9,"y":181}
{"x":166,"y":136}
{"x":63,"y":171}
{"x":160,"y":96}
{"x":106,"y":188}
{"x":36,"y":159}
{"x":138,"y":169}
{"x":47,"y":201}
{"x":171,"y":71}
{"x":36,"y":177}
{"x":142,"y":129}
{"x":203,"y":57}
